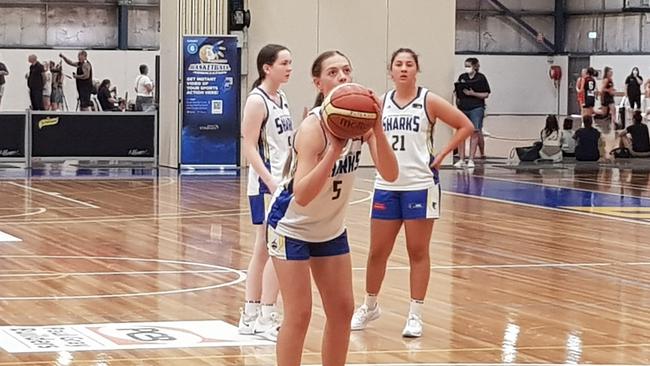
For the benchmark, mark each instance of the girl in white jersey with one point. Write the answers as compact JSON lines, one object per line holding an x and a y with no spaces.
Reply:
{"x":306,"y":232}
{"x":409,"y":116}
{"x":267,"y":129}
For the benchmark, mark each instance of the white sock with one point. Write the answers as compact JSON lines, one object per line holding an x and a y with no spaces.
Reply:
{"x":268,"y":309}
{"x":416,"y":307}
{"x":371,"y":301}
{"x":251,"y":307}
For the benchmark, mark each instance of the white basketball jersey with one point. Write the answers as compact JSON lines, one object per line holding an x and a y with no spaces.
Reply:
{"x":274,"y":141}
{"x":409,"y":131}
{"x":323,"y":218}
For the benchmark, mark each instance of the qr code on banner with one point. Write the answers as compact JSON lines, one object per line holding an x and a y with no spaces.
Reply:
{"x":217,"y":107}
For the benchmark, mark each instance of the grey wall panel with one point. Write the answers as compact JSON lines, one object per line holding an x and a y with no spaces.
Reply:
{"x":645,"y":33}
{"x":467,"y":32}
{"x":578,"y":28}
{"x":467,"y":4}
{"x":614,"y":4}
{"x":144,"y":26}
{"x":22,"y":26}
{"x":527,"y":5}
{"x":622,"y":33}
{"x":74,"y":26}
{"x":585,"y":5}
{"x":502,"y":34}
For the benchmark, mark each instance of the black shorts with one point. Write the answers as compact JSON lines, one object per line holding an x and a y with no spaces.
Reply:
{"x":590,"y":102}
{"x":84,"y":98}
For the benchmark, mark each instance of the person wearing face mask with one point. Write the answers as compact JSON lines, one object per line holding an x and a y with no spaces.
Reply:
{"x":471,"y":90}
{"x":633,"y":88}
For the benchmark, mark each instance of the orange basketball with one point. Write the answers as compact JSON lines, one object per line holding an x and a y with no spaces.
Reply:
{"x":349,"y":111}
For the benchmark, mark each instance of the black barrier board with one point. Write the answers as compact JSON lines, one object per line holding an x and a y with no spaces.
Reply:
{"x":12,"y":135}
{"x":93,"y":135}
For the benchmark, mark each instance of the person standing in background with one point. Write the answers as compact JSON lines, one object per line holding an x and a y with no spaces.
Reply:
{"x":607,"y":91}
{"x":47,"y":86}
{"x":3,"y":73}
{"x":143,"y":90}
{"x":472,"y":88}
{"x":84,"y":78}
{"x":35,"y":83}
{"x":56,"y":98}
{"x":580,"y":89}
{"x":633,"y":88}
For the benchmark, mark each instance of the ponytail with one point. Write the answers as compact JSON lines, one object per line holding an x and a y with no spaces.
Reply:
{"x":319,"y":100}
{"x":257,"y":83}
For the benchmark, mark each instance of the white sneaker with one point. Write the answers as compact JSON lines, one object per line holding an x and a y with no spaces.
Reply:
{"x":459,"y":164}
{"x":470,"y":164}
{"x":413,"y":327}
{"x":271,"y":334}
{"x":247,"y":323}
{"x":362,"y":316}
{"x":263,"y":324}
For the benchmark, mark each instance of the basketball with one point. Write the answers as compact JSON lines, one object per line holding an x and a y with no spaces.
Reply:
{"x":349,"y":111}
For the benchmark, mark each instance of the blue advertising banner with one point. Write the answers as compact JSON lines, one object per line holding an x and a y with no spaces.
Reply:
{"x":211,"y":101}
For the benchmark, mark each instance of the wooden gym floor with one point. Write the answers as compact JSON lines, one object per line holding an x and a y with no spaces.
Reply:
{"x":529,"y":265}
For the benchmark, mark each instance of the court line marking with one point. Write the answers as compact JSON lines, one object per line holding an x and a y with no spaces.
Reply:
{"x":507,"y":266}
{"x":361,"y":353}
{"x":110,"y":273}
{"x":564,"y":210}
{"x":558,"y":186}
{"x":53,"y":194}
{"x":4,"y":237}
{"x":39,"y":210}
{"x":127,"y":218}
{"x":614,"y":185}
{"x":241,"y":277}
{"x":368,"y":198}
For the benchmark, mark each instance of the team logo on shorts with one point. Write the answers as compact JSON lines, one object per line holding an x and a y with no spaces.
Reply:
{"x":433,"y":205}
{"x":415,"y":206}
{"x":274,"y":244}
{"x":379,"y":206}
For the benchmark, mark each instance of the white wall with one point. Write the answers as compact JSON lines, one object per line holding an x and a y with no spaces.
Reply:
{"x":520,"y":84}
{"x":386,"y":26}
{"x":121,"y":67}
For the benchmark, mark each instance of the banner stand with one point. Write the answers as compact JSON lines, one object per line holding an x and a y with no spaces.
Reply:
{"x":210,"y":119}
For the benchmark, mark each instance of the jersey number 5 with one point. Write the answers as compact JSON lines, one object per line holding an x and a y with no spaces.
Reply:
{"x":337,"y":189}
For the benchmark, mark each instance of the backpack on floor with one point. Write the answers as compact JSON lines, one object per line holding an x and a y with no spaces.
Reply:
{"x":529,"y":153}
{"x":621,"y":153}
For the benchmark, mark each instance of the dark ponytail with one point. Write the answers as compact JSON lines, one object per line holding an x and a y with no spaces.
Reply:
{"x":319,"y":100}
{"x":317,"y":68}
{"x":267,"y":56}
{"x":257,"y":83}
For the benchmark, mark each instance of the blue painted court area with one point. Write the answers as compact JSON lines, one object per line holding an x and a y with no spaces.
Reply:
{"x":608,"y":204}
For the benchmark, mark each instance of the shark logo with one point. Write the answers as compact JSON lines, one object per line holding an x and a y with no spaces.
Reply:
{"x":274,"y":244}
{"x":48,"y":122}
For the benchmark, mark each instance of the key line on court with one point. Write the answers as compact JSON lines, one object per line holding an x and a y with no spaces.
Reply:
{"x":53,"y":194}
